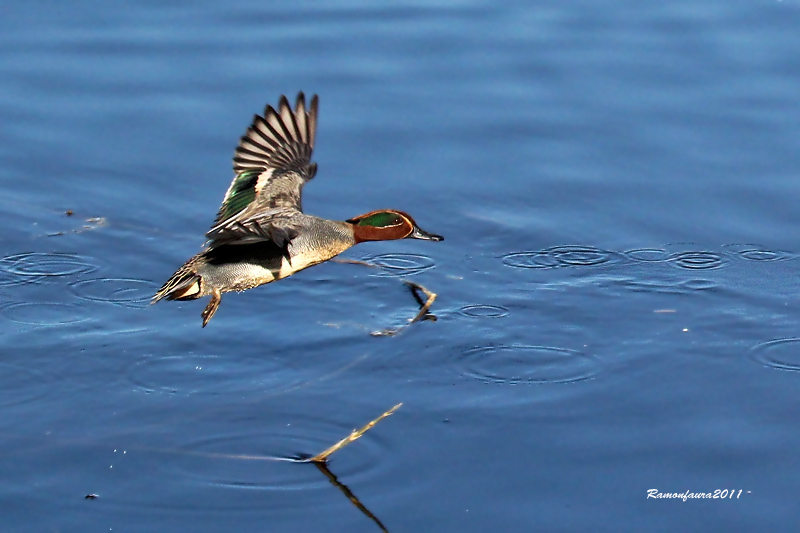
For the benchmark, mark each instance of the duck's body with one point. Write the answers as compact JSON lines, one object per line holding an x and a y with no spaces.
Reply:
{"x":261,"y":234}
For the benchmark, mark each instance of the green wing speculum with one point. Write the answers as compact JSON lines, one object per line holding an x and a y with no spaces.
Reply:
{"x":241,"y":194}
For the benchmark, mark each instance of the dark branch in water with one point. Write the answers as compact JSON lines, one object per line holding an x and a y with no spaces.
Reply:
{"x":323,"y":467}
{"x":423,"y":314}
{"x":426,"y":305}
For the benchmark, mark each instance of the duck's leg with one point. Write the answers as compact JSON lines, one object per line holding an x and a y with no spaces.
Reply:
{"x":211,"y":308}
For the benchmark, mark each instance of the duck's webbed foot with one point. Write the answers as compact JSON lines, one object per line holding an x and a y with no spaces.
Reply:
{"x":211,"y":308}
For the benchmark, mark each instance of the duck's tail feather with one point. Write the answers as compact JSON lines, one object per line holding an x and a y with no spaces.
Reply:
{"x":183,"y":285}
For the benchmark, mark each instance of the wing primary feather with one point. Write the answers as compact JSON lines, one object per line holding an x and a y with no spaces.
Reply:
{"x":276,"y":120}
{"x":312,"y":120}
{"x":251,"y":147}
{"x":300,"y":113}
{"x":246,"y":163}
{"x":254,"y":153}
{"x":270,"y":135}
{"x":291,"y":119}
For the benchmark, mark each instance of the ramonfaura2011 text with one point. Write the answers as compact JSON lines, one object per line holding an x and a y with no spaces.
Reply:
{"x":718,"y":494}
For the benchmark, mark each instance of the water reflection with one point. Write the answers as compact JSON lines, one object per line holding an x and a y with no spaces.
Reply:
{"x":323,"y":467}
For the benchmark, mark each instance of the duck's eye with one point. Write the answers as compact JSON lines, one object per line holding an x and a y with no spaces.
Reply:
{"x":381,"y":220}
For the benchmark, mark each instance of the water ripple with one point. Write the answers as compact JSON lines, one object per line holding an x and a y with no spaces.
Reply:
{"x":261,"y":459}
{"x":783,"y":354}
{"x":213,"y":375}
{"x":522,"y":364}
{"x":20,"y":385}
{"x":47,"y":264}
{"x":44,"y":313}
{"x":9,"y":279}
{"x":484,"y":311}
{"x":198,"y":374}
{"x":667,"y":287}
{"x":647,"y":255}
{"x":530,"y":260}
{"x":697,"y":260}
{"x":568,"y":255}
{"x":756,"y":252}
{"x":397,"y":264}
{"x":128,"y":292}
{"x":762,"y":255}
{"x":689,"y":259}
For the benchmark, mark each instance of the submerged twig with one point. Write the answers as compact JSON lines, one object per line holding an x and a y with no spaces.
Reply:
{"x":422,"y":314}
{"x":426,"y":305}
{"x":356,"y":433}
{"x":323,"y":467}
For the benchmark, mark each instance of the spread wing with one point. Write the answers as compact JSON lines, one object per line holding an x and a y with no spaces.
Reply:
{"x":271,"y":165}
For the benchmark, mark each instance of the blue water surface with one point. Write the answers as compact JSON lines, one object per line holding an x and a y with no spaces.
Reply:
{"x":617,"y":294}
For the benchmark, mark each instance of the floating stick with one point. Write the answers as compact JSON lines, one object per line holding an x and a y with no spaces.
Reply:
{"x":323,"y":457}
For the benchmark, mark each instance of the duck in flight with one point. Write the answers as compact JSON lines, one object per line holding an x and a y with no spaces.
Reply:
{"x":261,"y":234}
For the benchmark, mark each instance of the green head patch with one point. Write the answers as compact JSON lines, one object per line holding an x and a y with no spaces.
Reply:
{"x":382,"y":219}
